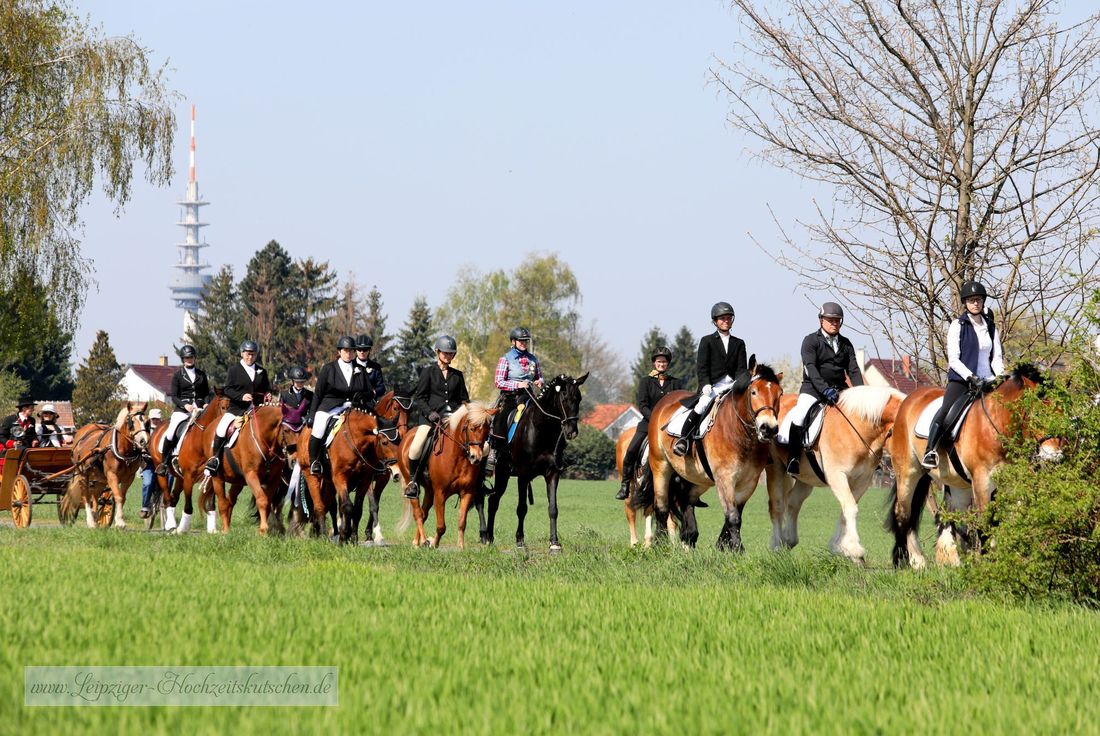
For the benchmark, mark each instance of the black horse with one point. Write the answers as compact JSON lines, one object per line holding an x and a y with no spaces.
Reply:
{"x":548,"y":422}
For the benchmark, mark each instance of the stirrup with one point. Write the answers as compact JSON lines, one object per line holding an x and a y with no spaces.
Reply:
{"x":316,"y":468}
{"x":931,"y":460}
{"x":162,"y":469}
{"x":680,"y":448}
{"x":624,"y":491}
{"x":412,"y":491}
{"x":212,"y":465}
{"x":793,"y":466}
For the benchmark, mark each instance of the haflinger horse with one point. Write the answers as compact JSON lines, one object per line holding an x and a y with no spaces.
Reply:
{"x":254,"y":459}
{"x":730,"y":456}
{"x":192,"y":454}
{"x":363,"y":447}
{"x":848,"y":452}
{"x":454,"y":467}
{"x":548,"y":422}
{"x":108,"y":456}
{"x":979,"y":450}
{"x":633,"y":502}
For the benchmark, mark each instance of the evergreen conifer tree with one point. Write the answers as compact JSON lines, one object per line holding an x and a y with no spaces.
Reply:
{"x":97,"y":395}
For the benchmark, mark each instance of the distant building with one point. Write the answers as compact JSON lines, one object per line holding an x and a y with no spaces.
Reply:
{"x":148,"y":382}
{"x":612,"y":419}
{"x":900,"y":373}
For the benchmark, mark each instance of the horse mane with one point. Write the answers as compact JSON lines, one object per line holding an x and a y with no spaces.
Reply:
{"x":766,"y":373}
{"x":477,"y":412}
{"x":121,"y":418}
{"x":868,"y":402}
{"x":1028,"y":371}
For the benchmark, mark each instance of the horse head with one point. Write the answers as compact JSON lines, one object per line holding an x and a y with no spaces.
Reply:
{"x":386,"y":445}
{"x":1028,"y":377}
{"x":470,"y":425}
{"x":395,"y":407}
{"x":136,"y":424}
{"x":561,"y":399}
{"x":761,"y":399}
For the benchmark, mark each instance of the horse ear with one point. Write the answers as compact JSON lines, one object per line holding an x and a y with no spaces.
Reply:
{"x":752,"y":363}
{"x":582,"y":379}
{"x":779,"y":377}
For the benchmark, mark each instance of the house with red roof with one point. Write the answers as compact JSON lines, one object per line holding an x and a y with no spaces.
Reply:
{"x":612,"y":419}
{"x":148,"y":381}
{"x":900,"y":373}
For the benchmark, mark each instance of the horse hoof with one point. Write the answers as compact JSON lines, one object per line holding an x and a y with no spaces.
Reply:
{"x":555,"y":549}
{"x":520,"y":544}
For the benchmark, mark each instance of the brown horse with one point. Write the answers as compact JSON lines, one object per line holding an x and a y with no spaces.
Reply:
{"x":255,"y":459}
{"x":733,"y":453}
{"x":454,"y":467}
{"x":108,"y":456}
{"x":188,"y":467}
{"x":364,"y":446}
{"x":848,"y":451}
{"x":980,"y":450}
{"x":394,"y":409}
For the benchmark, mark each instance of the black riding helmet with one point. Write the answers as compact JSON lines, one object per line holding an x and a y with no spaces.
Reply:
{"x":345,"y":342}
{"x":720,"y":309}
{"x":249,"y":346}
{"x":296,"y":373}
{"x":364,"y":342}
{"x":830,"y":309}
{"x":662,"y":352}
{"x":446,"y":344}
{"x":188,"y":351}
{"x":520,"y":333}
{"x":972,"y":288}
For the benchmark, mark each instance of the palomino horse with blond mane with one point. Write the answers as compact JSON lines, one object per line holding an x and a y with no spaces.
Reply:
{"x":967,"y":468}
{"x":453,"y":467}
{"x":107,"y":456}
{"x":847,"y":453}
{"x":730,"y":456}
{"x":640,"y":498}
{"x":363,"y":446}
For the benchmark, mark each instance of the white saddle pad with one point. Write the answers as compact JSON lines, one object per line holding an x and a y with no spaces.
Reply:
{"x":924,"y":421}
{"x":809,"y":436}
{"x":675,"y":426}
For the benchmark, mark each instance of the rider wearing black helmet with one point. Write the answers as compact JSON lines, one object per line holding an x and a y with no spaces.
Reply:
{"x":974,"y":357}
{"x":517,"y":371}
{"x":722,"y":364}
{"x":338,"y":383}
{"x":827,"y":359}
{"x":651,"y":389}
{"x":295,"y":401}
{"x":187,"y":394}
{"x":376,"y":384}
{"x":247,"y":385}
{"x":440,"y":391}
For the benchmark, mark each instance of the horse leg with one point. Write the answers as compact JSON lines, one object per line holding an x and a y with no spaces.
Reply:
{"x":662,"y":476}
{"x":500,"y":485}
{"x":948,"y":536}
{"x":118,"y":493}
{"x":440,"y":517}
{"x":650,"y":530}
{"x":797,"y":493}
{"x":552,"y":509}
{"x":523,"y":486}
{"x":909,"y":492}
{"x":263,"y":503}
{"x":845,"y":539}
{"x":777,"y":502}
{"x":374,"y":523}
{"x":425,"y":507}
{"x":347,"y":509}
{"x":464,"y":502}
{"x":689,"y":534}
{"x":630,"y":522}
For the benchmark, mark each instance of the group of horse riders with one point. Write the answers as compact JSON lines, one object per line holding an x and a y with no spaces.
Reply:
{"x":829,"y":366}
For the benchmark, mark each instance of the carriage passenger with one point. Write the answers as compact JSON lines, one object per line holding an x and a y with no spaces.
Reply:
{"x":517,"y":371}
{"x":188,"y":392}
{"x":338,"y":383}
{"x":651,"y":389}
{"x":376,"y":384}
{"x":19,"y":428}
{"x":440,"y":391}
{"x":49,"y":433}
{"x":827,"y":358}
{"x":974,"y":358}
{"x":721,"y":365}
{"x":246,"y":385}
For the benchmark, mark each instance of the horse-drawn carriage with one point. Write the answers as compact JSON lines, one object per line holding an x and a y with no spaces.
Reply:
{"x":32,"y":475}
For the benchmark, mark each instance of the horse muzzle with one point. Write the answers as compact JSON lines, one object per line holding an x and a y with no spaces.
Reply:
{"x":767,"y":431}
{"x":1050,"y":451}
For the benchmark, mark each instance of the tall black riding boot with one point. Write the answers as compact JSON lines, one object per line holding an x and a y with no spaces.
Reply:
{"x":683,"y":444}
{"x":169,"y":447}
{"x":624,"y":487}
{"x":794,"y":449}
{"x":215,"y":460}
{"x":316,"y":447}
{"x":931,"y":457}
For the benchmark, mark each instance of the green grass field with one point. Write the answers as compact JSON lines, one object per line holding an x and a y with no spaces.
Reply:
{"x":601,"y":639}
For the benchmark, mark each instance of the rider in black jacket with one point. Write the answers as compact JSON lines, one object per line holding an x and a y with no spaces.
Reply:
{"x":651,"y":389}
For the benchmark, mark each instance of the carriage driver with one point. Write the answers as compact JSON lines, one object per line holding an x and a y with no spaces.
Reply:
{"x":245,"y":382}
{"x":22,"y":420}
{"x":517,"y":370}
{"x":376,"y":384}
{"x":338,"y":383}
{"x":440,"y":391}
{"x":721,"y":364}
{"x":188,"y":393}
{"x":974,"y":357}
{"x":827,"y":357}
{"x":651,"y":389}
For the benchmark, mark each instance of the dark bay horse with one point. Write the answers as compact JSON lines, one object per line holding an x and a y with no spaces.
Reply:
{"x":364,"y":446}
{"x":734,"y":452}
{"x":980,"y":450}
{"x":107,"y":456}
{"x":454,"y":467}
{"x":549,"y":421}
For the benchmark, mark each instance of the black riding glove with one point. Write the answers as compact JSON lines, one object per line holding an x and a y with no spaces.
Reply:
{"x":433,"y":417}
{"x":974,"y":383}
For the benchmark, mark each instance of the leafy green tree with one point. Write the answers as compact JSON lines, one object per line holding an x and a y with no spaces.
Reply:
{"x":98,"y":393}
{"x":590,"y":456}
{"x":76,"y":110}
{"x":414,"y":345}
{"x":11,"y":388}
{"x":33,"y":343}
{"x":217,"y":332}
{"x":684,"y":347}
{"x":643,"y":364}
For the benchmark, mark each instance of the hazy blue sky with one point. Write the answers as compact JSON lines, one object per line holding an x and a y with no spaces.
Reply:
{"x":403,"y":140}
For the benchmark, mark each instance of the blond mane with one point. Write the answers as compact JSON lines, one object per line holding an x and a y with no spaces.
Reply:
{"x":478,"y":413}
{"x":868,"y":402}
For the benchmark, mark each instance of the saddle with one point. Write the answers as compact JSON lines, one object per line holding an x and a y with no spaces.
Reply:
{"x":233,"y":431}
{"x":333,"y":426}
{"x":952,"y":422}
{"x":675,"y":426}
{"x":811,"y":423}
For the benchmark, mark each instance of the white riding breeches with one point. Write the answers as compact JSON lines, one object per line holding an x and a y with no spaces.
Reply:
{"x":416,"y":446}
{"x":710,"y":392}
{"x":174,"y":422}
{"x":798,"y":412}
{"x":320,"y":424}
{"x":223,"y":424}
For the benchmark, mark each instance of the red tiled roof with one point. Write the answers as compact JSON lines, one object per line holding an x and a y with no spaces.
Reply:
{"x":159,"y":376}
{"x":64,"y":412}
{"x":602,"y":415}
{"x":894,"y":373}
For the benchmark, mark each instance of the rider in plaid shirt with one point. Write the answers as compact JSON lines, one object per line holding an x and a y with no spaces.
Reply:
{"x":517,"y":372}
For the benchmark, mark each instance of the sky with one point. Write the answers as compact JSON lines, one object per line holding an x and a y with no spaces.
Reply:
{"x":402,"y":141}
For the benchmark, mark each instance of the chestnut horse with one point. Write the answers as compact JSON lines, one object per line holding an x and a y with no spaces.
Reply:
{"x":364,"y":446}
{"x":255,"y":459}
{"x":980,"y":450}
{"x":395,"y":409}
{"x":188,"y":468}
{"x":549,"y":421}
{"x":734,"y":453}
{"x":454,"y":467}
{"x":848,"y":451}
{"x":109,"y":456}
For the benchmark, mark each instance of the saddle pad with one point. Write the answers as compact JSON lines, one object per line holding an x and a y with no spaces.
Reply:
{"x":810,"y":433}
{"x":233,"y":431}
{"x":675,"y":427}
{"x":334,"y":427}
{"x":924,"y":421}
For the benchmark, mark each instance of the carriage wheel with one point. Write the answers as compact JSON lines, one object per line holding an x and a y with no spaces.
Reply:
{"x":105,"y":511}
{"x":21,"y":502}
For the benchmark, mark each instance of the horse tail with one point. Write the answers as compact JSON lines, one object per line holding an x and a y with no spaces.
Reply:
{"x":68,"y":506}
{"x":910,"y":523}
{"x":406,"y":516}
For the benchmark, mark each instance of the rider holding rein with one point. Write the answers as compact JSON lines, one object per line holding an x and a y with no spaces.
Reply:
{"x":517,"y":371}
{"x":246,"y":384}
{"x":338,"y":383}
{"x":827,"y":359}
{"x":722,"y":365}
{"x":974,"y":357}
{"x":376,"y":384}
{"x":187,"y":394}
{"x":651,"y":389}
{"x":440,"y":391}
